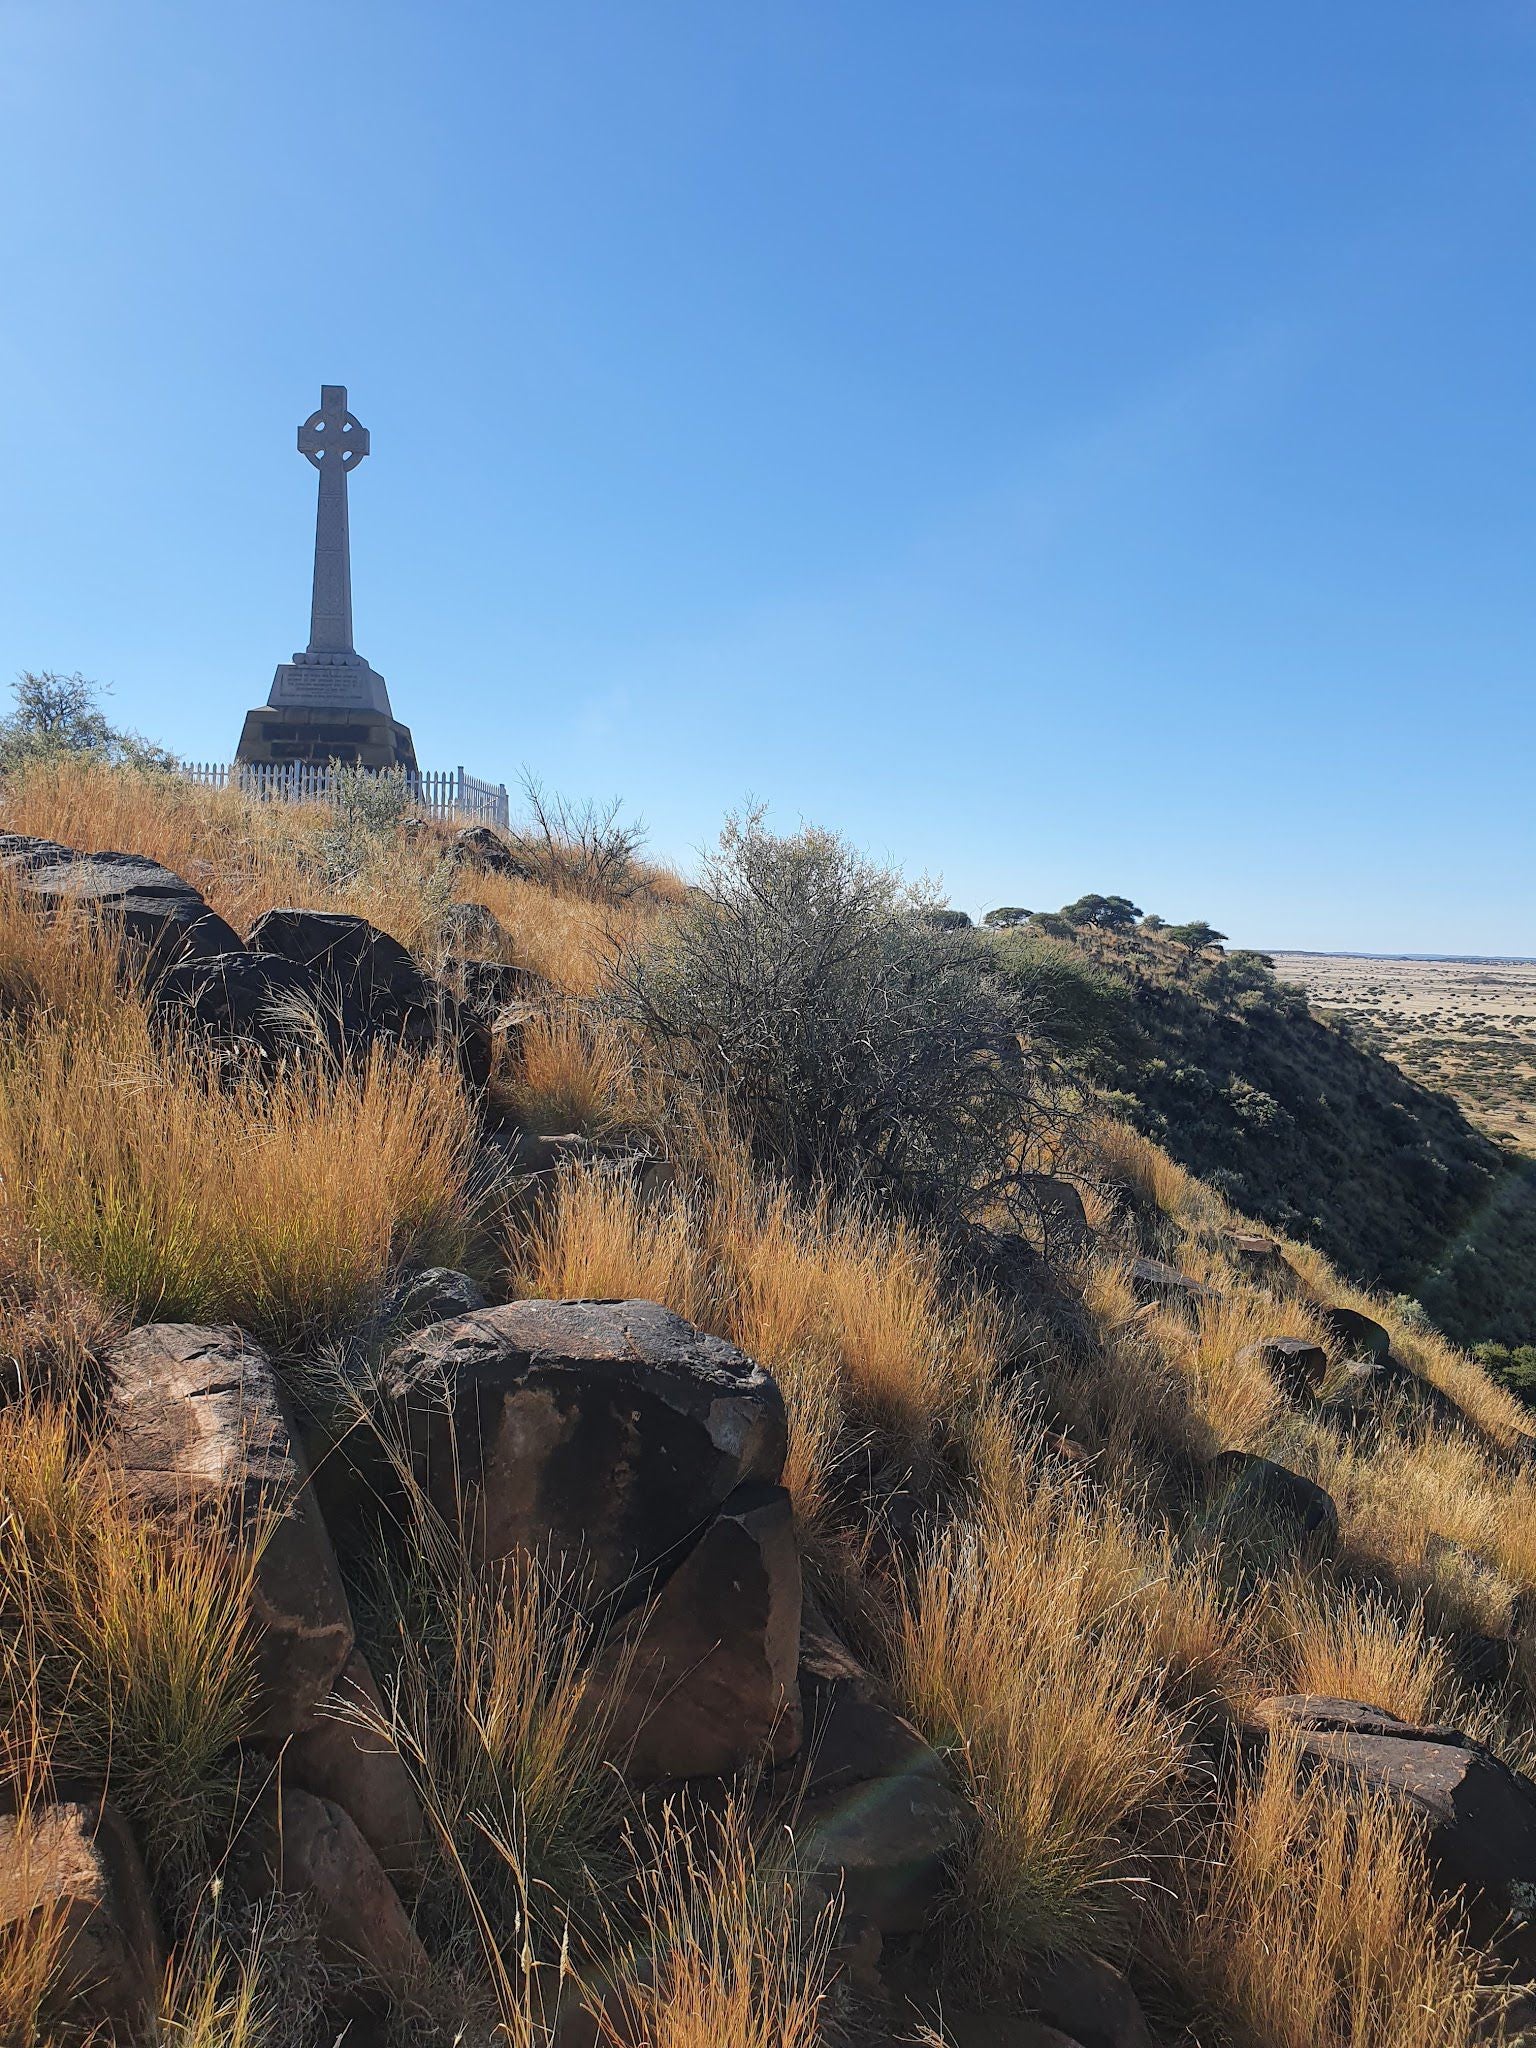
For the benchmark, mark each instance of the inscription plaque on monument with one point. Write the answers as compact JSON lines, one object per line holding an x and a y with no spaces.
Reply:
{"x":327,"y":704}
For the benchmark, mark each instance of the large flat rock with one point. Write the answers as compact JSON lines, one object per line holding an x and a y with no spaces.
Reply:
{"x":609,"y":1432}
{"x":197,"y":1423}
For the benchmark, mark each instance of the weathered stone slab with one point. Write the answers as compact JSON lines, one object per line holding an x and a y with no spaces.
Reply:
{"x":609,"y":1432}
{"x":702,"y":1680}
{"x":71,"y":1874}
{"x":197,"y":1423}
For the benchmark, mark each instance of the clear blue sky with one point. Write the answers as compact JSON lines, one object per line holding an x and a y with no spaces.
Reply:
{"x":1066,"y":444}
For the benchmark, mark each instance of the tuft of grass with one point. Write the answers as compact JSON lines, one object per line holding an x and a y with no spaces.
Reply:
{"x":222,"y":1994}
{"x":730,"y":1954}
{"x":1315,"y":1927}
{"x":278,"y":1202}
{"x":1019,"y":1649}
{"x":575,"y":1071}
{"x":127,"y":1644}
{"x":1348,"y":1644}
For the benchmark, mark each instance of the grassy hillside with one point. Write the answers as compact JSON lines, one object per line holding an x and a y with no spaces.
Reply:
{"x":1004,"y":1444}
{"x":1295,"y":1120}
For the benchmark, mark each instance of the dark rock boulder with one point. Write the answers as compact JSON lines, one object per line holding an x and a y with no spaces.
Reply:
{"x":158,"y":913}
{"x":877,"y":1817}
{"x":1089,"y":2001}
{"x":1297,"y":1366}
{"x":374,"y":987}
{"x":701,"y":1681}
{"x":436,"y":1294}
{"x":70,"y":1873}
{"x":609,"y":1431}
{"x":351,"y":958}
{"x":1266,"y":1506}
{"x":478,"y":846}
{"x":344,"y":1759}
{"x":1154,"y":1282}
{"x":1478,"y":1816}
{"x":1357,"y":1335}
{"x":1257,"y":1257}
{"x":244,"y":998}
{"x":196,"y":1422}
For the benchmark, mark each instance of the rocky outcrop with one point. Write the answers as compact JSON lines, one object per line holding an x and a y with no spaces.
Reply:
{"x":343,"y":1758}
{"x":1478,"y":1816}
{"x":197,"y":1423}
{"x":164,"y":918}
{"x":611,"y":1432}
{"x":375,"y":989}
{"x":308,"y":1849}
{"x":70,"y":1875}
{"x":1090,"y":2002}
{"x":1357,"y":1335}
{"x":1260,"y":1504}
{"x":702,"y":1680}
{"x":477,"y":846}
{"x":254,"y":999}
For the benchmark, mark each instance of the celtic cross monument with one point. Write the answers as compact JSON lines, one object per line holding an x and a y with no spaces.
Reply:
{"x":327,"y":704}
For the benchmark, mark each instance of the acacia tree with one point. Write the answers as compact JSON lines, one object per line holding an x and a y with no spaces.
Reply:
{"x":1197,"y":936}
{"x":1108,"y":913}
{"x":1006,"y":916}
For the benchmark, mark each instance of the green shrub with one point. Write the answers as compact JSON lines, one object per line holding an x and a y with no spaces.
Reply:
{"x":852,"y":1041}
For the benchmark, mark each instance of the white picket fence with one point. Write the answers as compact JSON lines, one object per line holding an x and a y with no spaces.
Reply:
{"x":438,"y":793}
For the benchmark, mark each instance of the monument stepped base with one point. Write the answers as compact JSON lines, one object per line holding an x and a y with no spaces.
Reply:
{"x":321,"y":732}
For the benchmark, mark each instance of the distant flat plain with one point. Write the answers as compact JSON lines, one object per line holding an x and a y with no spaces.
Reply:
{"x":1466,"y":1027}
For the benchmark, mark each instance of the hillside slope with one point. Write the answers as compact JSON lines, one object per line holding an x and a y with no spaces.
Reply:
{"x":458,"y":1653}
{"x":1303,"y":1126}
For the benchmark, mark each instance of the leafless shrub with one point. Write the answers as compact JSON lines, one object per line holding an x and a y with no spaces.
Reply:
{"x":582,"y":849}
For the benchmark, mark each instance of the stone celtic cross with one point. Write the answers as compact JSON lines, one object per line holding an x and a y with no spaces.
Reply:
{"x":335,"y":442}
{"x":328,"y":704}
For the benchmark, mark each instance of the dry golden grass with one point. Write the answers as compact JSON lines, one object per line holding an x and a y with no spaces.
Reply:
{"x":247,"y":857}
{"x":1122,"y":1155}
{"x":1348,"y":1644}
{"x":280,"y":1203}
{"x":730,"y":1955}
{"x":575,"y":1070}
{"x":853,"y":1316}
{"x":1019,"y":1648}
{"x":1315,"y":1928}
{"x":218,"y":1996}
{"x":569,"y":939}
{"x":126,"y":1641}
{"x":1435,"y":1515}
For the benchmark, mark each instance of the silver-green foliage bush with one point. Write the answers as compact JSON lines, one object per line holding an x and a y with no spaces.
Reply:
{"x":854,"y":1041}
